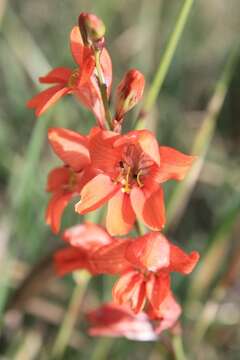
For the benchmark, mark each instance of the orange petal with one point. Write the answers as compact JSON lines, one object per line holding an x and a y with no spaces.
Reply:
{"x":149,"y":252}
{"x":120,"y":215}
{"x":115,"y":320}
{"x":106,"y":64}
{"x":70,"y":259}
{"x":168,"y":314}
{"x":76,"y":45}
{"x":55,"y":209}
{"x":174,"y":164}
{"x":181,"y":261}
{"x":87,"y":236}
{"x":149,"y":207}
{"x":70,"y":146}
{"x":57,"y":75}
{"x":101,"y":142}
{"x":95,"y":193}
{"x":42,"y":101}
{"x":145,"y":139}
{"x":57,"y":178}
{"x":89,"y":95}
{"x":130,"y":290}
{"x":110,"y":259}
{"x":158,"y":287}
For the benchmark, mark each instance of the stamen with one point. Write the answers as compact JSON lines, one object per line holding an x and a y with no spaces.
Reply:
{"x":127,"y":187}
{"x":140,"y":184}
{"x":73,"y":79}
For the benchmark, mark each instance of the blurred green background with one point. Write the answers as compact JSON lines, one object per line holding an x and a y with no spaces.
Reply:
{"x":203,"y":212}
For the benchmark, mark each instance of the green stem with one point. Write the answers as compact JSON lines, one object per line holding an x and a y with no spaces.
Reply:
{"x":165,"y":61}
{"x":103,"y":89}
{"x":71,"y":315}
{"x":139,"y":228}
{"x":178,"y":348}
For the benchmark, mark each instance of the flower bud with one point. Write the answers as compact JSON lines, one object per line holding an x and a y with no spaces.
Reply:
{"x":129,"y":92}
{"x":91,"y":27}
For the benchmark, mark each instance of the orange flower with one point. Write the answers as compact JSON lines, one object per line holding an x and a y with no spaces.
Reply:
{"x":152,"y":258}
{"x":80,"y":81}
{"x":144,"y":265}
{"x":83,"y":239}
{"x":132,"y":168}
{"x":66,"y":181}
{"x":118,"y":320}
{"x":114,"y":320}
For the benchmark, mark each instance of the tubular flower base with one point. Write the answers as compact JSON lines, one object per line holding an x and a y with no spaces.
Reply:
{"x":127,"y":172}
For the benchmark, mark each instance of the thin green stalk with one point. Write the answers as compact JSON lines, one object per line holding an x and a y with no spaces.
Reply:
{"x":71,"y":315}
{"x":103,"y":89}
{"x":102,"y":349}
{"x":178,"y":348}
{"x":140,"y":228}
{"x":166,"y":60}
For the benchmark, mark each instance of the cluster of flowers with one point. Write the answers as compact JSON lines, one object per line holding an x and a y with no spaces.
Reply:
{"x":127,"y":172}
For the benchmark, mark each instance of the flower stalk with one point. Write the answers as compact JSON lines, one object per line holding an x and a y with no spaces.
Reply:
{"x":103,"y":89}
{"x":61,"y":341}
{"x":165,"y":62}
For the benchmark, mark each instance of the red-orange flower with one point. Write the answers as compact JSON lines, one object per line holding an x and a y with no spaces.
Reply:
{"x":144,"y":263}
{"x":153,"y":258}
{"x":80,"y":81}
{"x":117,"y":320}
{"x":83,"y":239}
{"x":132,"y":167}
{"x":66,"y":181}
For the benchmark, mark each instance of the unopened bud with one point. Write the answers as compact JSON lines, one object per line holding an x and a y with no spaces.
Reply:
{"x":91,"y":27}
{"x":129,"y":92}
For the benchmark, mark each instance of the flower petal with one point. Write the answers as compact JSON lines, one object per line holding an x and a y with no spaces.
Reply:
{"x":158,"y":287}
{"x":57,"y":178}
{"x":115,"y":320}
{"x":110,"y":259}
{"x":70,"y":259}
{"x":57,"y":75}
{"x":89,"y":95}
{"x":87,"y":236}
{"x":174,"y":164}
{"x":181,"y":261}
{"x":130,"y":290}
{"x":42,"y":101}
{"x":106,"y":64}
{"x":70,"y":146}
{"x":120,"y":215}
{"x":169,"y":313}
{"x":55,"y":208}
{"x":76,"y":45}
{"x":145,"y":139}
{"x":149,"y":252}
{"x":101,"y":142}
{"x":95,"y":193}
{"x":149,"y":207}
